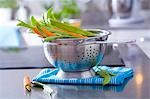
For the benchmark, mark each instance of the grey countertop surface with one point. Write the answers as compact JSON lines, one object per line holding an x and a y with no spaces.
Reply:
{"x":137,"y":87}
{"x":136,"y":56}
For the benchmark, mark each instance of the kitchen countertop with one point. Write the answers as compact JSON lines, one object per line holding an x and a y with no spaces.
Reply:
{"x":136,"y":56}
{"x":11,"y":82}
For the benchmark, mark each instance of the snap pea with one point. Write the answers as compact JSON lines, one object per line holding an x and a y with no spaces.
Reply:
{"x":57,"y":31}
{"x":51,"y":29}
{"x":34,"y":21}
{"x":106,"y":75}
{"x":51,"y":38}
{"x":50,"y":14}
{"x":23,"y":24}
{"x":41,"y":32}
{"x":70,"y":28}
{"x":106,"y":79}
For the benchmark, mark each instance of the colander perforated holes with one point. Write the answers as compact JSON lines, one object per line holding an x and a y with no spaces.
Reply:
{"x":65,"y":60}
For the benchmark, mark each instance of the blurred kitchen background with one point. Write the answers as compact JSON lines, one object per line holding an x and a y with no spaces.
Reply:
{"x":91,"y":12}
{"x":129,"y":19}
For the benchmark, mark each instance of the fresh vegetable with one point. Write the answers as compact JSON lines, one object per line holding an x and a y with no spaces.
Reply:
{"x":23,"y":24}
{"x":35,"y":30}
{"x":48,"y":33}
{"x":71,"y":33}
{"x":70,"y":28}
{"x":106,"y":75}
{"x":27,"y":83}
{"x":49,"y":28}
{"x":34,"y":22}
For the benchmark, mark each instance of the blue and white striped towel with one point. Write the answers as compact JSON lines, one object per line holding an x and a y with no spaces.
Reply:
{"x":49,"y":76}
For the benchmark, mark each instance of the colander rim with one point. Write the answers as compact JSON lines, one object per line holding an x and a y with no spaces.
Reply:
{"x":104,"y":33}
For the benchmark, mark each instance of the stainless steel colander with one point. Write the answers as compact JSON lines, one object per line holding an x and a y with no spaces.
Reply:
{"x":75,"y":57}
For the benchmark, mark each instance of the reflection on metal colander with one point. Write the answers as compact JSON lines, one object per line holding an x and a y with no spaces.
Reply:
{"x":74,"y":55}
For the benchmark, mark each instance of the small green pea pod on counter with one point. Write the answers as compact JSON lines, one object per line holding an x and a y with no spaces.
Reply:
{"x":106,"y":75}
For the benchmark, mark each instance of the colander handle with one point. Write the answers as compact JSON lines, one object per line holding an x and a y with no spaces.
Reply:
{"x":110,"y":42}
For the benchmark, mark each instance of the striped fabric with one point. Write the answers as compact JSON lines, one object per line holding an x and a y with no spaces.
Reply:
{"x":48,"y":76}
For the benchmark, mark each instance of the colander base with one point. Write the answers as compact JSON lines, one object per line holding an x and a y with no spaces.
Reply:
{"x":79,"y":74}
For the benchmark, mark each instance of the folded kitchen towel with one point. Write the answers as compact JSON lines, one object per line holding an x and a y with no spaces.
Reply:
{"x":49,"y":76}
